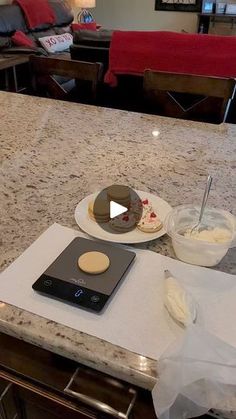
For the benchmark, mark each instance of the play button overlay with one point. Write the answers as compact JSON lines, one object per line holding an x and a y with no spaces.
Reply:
{"x":117,"y":209}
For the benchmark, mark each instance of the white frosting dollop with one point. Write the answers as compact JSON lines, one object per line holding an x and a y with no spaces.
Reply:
{"x":216,"y":235}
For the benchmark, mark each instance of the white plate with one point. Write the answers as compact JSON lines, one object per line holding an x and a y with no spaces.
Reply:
{"x":135,"y":236}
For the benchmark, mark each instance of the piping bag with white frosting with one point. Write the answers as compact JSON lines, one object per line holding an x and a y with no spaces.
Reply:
{"x":179,"y":303}
{"x":198,"y":371}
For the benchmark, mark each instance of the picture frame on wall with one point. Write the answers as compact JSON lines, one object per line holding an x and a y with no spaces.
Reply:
{"x":179,"y":5}
{"x":230,"y":9}
{"x":220,"y":8}
{"x":207,"y":6}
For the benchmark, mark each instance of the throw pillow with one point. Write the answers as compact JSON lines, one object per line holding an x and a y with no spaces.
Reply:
{"x":56,"y":43}
{"x":22,"y":40}
{"x":92,"y":26}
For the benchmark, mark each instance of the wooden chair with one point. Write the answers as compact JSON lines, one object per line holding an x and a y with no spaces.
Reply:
{"x":46,"y":69}
{"x":188,"y":96}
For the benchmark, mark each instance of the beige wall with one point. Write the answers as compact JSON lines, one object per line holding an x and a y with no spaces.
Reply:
{"x":140,"y":15}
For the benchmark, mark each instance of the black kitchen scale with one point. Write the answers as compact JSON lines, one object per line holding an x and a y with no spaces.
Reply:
{"x":64,"y":280}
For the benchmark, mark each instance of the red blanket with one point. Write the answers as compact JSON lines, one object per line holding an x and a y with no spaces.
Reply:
{"x":36,"y":12}
{"x":134,"y":52}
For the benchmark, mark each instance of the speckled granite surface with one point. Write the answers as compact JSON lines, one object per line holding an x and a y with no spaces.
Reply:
{"x":55,"y":153}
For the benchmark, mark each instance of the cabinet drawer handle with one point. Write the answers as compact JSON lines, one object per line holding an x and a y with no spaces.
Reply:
{"x":102,"y":407}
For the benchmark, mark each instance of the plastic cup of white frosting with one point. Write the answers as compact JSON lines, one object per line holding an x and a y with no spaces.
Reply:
{"x":217,"y":234}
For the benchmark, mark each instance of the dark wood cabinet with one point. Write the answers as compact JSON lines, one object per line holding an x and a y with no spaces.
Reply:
{"x":37,"y":384}
{"x":8,"y":402}
{"x":19,"y":402}
{"x":37,"y":405}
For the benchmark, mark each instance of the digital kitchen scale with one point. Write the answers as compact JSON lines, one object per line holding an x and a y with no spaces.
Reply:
{"x":64,"y":280}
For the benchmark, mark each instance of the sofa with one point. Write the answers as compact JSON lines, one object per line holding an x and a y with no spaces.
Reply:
{"x":128,"y":54}
{"x":92,"y":46}
{"x":12,"y":20}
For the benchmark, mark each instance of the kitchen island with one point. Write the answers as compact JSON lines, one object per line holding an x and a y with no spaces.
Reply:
{"x":55,"y":153}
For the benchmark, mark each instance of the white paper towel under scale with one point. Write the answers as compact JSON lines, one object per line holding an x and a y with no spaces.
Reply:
{"x":136,"y":319}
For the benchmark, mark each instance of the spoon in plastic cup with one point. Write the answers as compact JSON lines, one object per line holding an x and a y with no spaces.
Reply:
{"x":204,"y":201}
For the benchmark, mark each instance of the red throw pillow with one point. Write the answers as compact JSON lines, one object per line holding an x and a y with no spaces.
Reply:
{"x":22,"y":40}
{"x":92,"y":26}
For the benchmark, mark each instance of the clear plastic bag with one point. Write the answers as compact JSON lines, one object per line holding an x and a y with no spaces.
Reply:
{"x":197,"y":373}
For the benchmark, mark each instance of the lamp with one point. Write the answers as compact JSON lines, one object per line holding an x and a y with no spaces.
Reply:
{"x":84,"y":15}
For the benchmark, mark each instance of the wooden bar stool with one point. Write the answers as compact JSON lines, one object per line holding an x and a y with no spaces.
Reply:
{"x":188,"y":96}
{"x":45,"y":72}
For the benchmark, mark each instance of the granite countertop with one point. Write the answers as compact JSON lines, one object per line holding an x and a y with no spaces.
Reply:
{"x":54,"y":153}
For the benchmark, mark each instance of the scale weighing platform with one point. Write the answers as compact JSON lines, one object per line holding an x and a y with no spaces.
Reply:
{"x":64,"y":280}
